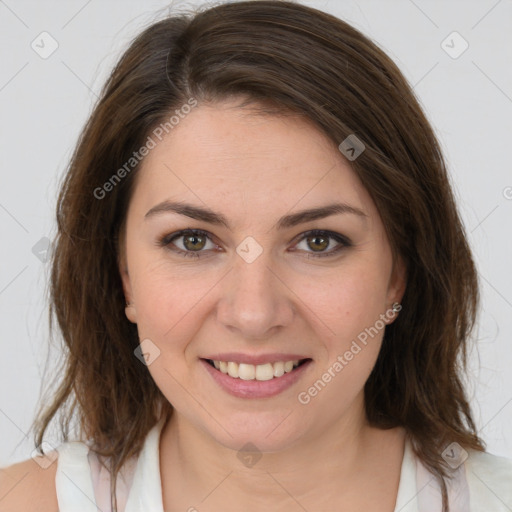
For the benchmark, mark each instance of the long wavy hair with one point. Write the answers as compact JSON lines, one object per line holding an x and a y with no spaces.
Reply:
{"x":296,"y":59}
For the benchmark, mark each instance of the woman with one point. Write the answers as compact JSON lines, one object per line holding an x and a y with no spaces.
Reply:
{"x":263,"y":283}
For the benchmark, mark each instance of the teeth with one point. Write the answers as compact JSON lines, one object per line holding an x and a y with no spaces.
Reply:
{"x":278,"y":369}
{"x":233,"y":369}
{"x":245,"y":371}
{"x":265,"y":371}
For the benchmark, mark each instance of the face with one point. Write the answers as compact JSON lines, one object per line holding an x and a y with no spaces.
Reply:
{"x":253,"y":282}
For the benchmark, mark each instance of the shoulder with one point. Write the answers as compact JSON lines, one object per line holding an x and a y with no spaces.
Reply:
{"x":29,"y":486}
{"x":490,"y":479}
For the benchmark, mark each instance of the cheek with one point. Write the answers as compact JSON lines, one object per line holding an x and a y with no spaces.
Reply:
{"x":163,"y":296}
{"x":349,"y":309}
{"x":348,"y":300}
{"x":167,"y":305}
{"x":169,"y":310}
{"x":172,"y":299}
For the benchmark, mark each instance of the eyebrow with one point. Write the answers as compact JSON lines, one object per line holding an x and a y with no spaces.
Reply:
{"x":288,"y":221}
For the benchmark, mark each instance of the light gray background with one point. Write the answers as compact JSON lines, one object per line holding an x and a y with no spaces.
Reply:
{"x":44,"y":103}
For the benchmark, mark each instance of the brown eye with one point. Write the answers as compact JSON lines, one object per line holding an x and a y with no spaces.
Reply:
{"x":194,"y":242}
{"x":318,"y":241}
{"x":190,"y":242}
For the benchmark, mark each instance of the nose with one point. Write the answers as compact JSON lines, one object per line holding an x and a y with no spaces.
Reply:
{"x":256,"y":300}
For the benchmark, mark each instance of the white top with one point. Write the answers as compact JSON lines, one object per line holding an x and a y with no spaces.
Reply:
{"x":483,"y":483}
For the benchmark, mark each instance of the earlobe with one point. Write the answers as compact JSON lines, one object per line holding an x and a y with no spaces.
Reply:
{"x":396,"y":290}
{"x":129,"y":310}
{"x":130,"y":313}
{"x":398,"y":281}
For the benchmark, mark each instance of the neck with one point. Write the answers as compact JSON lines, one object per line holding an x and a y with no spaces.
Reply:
{"x":193,"y":464}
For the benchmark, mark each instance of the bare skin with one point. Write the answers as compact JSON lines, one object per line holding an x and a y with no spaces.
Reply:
{"x":320,"y":455}
{"x":367,"y":479}
{"x":29,"y":486}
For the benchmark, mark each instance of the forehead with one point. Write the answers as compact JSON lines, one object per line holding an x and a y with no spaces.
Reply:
{"x":230,"y":158}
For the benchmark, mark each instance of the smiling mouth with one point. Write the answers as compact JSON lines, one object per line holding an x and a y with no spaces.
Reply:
{"x":262,"y":372}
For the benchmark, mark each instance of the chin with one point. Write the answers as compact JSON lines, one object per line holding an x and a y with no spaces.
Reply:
{"x":268,"y":432}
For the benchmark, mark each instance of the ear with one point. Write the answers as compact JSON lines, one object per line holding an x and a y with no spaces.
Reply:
{"x":397,"y":284}
{"x":130,"y":310}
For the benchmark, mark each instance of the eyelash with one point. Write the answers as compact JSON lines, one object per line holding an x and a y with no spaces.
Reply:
{"x":167,"y":240}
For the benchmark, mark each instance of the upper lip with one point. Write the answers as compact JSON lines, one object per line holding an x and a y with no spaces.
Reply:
{"x":255,"y":359}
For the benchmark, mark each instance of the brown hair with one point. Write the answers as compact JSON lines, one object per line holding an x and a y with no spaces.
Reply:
{"x":302,"y":60}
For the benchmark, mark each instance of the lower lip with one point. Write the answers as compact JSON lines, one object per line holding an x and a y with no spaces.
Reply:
{"x":256,"y":388}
